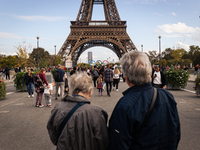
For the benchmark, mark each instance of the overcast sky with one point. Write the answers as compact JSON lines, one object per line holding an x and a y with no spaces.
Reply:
{"x":177,"y":21}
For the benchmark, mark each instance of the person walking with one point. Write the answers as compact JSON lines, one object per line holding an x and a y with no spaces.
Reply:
{"x":197,"y":70}
{"x":108,"y":78}
{"x":86,"y":126}
{"x":59,"y":77}
{"x":7,"y":71}
{"x":134,"y":125}
{"x":100,"y":85}
{"x":116,"y":78}
{"x":95,"y":75}
{"x":29,"y":81}
{"x":73,"y":71}
{"x":40,"y":80}
{"x":1,"y":73}
{"x":158,"y":78}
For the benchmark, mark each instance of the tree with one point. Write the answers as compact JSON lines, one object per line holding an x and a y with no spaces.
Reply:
{"x":167,"y":54}
{"x":9,"y":61}
{"x":153,"y":56}
{"x":22,"y":54}
{"x":178,"y":54}
{"x":43,"y":57}
{"x":163,"y":62}
{"x":194,"y":54}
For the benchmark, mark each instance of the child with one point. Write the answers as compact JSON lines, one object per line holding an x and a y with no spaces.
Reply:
{"x":48,"y":93}
{"x":100,"y":85}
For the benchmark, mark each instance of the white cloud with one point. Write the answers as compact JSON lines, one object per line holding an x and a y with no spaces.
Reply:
{"x":10,"y":35}
{"x":41,"y":18}
{"x":173,"y":13}
{"x":182,"y":45}
{"x":178,"y":30}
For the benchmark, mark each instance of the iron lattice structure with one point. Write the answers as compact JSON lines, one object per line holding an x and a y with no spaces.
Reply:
{"x":86,"y":33}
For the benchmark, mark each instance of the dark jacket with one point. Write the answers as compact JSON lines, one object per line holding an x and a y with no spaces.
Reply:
{"x":7,"y":70}
{"x":16,"y":70}
{"x":26,"y":78}
{"x":162,"y":129}
{"x":85,"y":130}
{"x":163,"y":78}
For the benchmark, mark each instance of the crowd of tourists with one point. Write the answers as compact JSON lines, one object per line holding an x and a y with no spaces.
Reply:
{"x":144,"y":118}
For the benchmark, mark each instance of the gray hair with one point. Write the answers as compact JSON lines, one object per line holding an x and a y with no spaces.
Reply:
{"x":137,"y":67}
{"x":80,"y":82}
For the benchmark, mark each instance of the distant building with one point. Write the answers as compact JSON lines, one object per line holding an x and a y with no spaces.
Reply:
{"x":89,"y":56}
{"x":2,"y":55}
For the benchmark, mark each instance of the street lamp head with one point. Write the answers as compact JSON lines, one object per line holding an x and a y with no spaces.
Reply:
{"x":54,"y":45}
{"x":159,"y":36}
{"x":37,"y":37}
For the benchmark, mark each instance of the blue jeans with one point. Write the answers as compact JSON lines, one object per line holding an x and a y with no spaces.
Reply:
{"x":30,"y":88}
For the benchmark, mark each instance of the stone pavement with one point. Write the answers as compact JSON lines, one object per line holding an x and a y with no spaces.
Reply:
{"x":23,"y":126}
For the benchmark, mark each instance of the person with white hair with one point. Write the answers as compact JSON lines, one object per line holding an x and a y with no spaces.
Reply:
{"x":145,"y":117}
{"x":75,"y":123}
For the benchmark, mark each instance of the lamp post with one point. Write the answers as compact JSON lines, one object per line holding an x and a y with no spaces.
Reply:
{"x":55,"y":55}
{"x":142,"y":48}
{"x":159,"y":50}
{"x":37,"y":52}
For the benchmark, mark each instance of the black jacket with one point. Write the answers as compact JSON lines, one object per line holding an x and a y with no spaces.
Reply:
{"x":163,"y":78}
{"x":161,"y":131}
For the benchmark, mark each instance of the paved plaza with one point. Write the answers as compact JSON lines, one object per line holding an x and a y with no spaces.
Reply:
{"x":23,"y":126}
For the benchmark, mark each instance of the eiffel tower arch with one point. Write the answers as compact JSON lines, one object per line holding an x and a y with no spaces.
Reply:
{"x":85,"y":33}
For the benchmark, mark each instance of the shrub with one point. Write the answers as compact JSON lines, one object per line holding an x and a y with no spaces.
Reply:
{"x":18,"y":79}
{"x":2,"y":90}
{"x":197,"y":83}
{"x":176,"y":78}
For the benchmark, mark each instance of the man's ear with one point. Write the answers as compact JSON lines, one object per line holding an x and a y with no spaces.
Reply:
{"x":127,"y":80}
{"x":90,"y":92}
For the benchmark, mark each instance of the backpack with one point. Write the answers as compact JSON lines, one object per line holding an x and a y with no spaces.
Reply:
{"x":196,"y":68}
{"x":57,"y":76}
{"x":96,"y":75}
{"x":39,"y":85}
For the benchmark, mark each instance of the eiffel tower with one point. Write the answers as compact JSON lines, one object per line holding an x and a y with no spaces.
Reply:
{"x":85,"y":33}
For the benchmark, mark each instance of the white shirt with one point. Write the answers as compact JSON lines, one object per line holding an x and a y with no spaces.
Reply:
{"x":157,"y":80}
{"x":51,"y":87}
{"x":47,"y":90}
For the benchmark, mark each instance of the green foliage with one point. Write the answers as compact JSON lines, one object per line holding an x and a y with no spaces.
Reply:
{"x":10,"y":61}
{"x":178,"y":54}
{"x":2,"y":90}
{"x":53,"y":71}
{"x":176,"y":78}
{"x":19,"y":78}
{"x":186,"y":62}
{"x":43,"y":57}
{"x":163,"y":62}
{"x":197,"y":83}
{"x":22,"y":54}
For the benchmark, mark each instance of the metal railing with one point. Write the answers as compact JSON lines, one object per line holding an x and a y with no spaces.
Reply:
{"x":98,"y":23}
